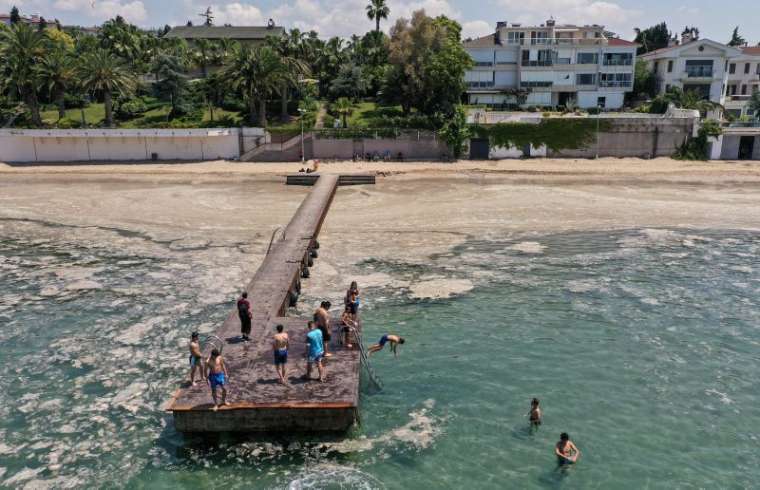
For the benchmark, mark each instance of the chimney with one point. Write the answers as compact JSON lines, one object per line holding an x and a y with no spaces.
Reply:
{"x":686,"y":37}
{"x":501,"y":23}
{"x":551,"y":22}
{"x":497,"y":35}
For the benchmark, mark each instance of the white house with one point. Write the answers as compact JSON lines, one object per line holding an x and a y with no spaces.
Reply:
{"x":723,"y":74}
{"x":550,"y":65}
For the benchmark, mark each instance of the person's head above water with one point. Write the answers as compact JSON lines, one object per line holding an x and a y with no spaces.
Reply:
{"x":401,"y":340}
{"x":245,"y":295}
{"x":311,"y":325}
{"x":194,"y":336}
{"x":564,"y":437}
{"x":534,"y":402}
{"x":354,"y":286}
{"x":326,"y":305}
{"x":215,"y":353}
{"x":279,"y":328}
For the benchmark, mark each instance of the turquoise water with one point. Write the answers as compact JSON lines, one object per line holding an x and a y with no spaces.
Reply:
{"x":642,"y":344}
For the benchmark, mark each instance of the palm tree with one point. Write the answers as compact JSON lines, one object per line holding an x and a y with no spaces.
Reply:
{"x":100,"y":71}
{"x":376,"y":10}
{"x":344,"y":108}
{"x":21,"y":49}
{"x":204,"y":54}
{"x":290,"y":48}
{"x":257,"y":74}
{"x":58,"y":73}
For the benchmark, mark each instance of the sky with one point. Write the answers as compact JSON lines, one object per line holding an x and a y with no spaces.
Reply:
{"x":715,"y":19}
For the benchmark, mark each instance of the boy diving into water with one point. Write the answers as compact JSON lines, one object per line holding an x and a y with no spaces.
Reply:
{"x":395,"y":340}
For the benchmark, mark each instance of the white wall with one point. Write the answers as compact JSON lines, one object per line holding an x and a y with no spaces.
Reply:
{"x":587,"y":99}
{"x":118,"y":145}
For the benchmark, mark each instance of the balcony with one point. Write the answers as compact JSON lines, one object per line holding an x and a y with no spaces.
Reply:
{"x":535,"y":84}
{"x":483,"y":63}
{"x":480,"y":85}
{"x":615,"y":84}
{"x":559,"y":41}
{"x":537,"y":63}
{"x":699,"y":72}
{"x":614,"y":62}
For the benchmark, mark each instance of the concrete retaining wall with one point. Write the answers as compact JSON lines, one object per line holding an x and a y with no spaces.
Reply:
{"x":425,"y":148}
{"x":635,"y":137}
{"x":99,"y":145}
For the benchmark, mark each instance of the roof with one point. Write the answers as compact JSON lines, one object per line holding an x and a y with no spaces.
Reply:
{"x":481,"y":42}
{"x":751,"y":50}
{"x":615,"y":41}
{"x":678,"y":46}
{"x":224,"y":32}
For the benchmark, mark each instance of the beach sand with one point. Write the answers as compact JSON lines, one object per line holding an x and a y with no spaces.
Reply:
{"x":415,"y":211}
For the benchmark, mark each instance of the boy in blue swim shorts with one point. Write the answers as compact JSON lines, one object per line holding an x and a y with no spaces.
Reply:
{"x":280,"y":344}
{"x":316,"y":352}
{"x":395,"y":340}
{"x":217,"y":377}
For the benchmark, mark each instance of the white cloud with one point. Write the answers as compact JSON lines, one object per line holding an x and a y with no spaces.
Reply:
{"x":100,"y":10}
{"x":476,"y":28}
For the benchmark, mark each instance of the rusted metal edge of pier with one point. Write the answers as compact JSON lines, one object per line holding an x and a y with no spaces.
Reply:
{"x":257,"y":402}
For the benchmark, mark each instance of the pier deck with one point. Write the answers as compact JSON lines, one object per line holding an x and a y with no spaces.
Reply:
{"x":257,"y":401}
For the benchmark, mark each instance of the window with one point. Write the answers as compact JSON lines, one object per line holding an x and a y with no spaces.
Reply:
{"x":758,"y":69}
{"x":618,"y":59}
{"x":615,"y":79}
{"x":667,"y":87}
{"x":656,"y":66}
{"x":515,"y":37}
{"x":601,"y":102}
{"x":746,"y":68}
{"x":732,"y":68}
{"x":732,"y":90}
{"x":699,"y":68}
{"x":587,"y":58}
{"x":670,"y":66}
{"x":744,"y":90}
{"x":585,"y":79}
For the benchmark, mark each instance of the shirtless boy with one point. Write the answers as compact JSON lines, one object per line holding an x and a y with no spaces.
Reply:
{"x":348,"y":322}
{"x":195,"y":357}
{"x":217,"y":376}
{"x":395,"y":340}
{"x":322,"y":319}
{"x":280,"y":350}
{"x":535,"y":414}
{"x":566,"y":451}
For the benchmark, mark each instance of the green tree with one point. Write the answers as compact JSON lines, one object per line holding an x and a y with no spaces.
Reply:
{"x":376,"y":10}
{"x":344,"y":108}
{"x":736,"y":39}
{"x":652,"y":38}
{"x":204,"y":54}
{"x":644,"y":80}
{"x":256,"y":74}
{"x":212,"y":90}
{"x":349,"y":82}
{"x":58,"y":74}
{"x":455,"y":131}
{"x":21,"y":50}
{"x":754,"y":104}
{"x":690,"y":99}
{"x":15,"y":16}
{"x":100,"y":72}
{"x":427,"y":65}
{"x":171,"y":84}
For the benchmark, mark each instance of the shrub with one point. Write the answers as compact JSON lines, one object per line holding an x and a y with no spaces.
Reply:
{"x":531,"y":108}
{"x":67,"y":123}
{"x":131,"y":108}
{"x":593,"y":111}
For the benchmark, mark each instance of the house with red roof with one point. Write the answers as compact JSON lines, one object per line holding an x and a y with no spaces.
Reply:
{"x":551,"y":65}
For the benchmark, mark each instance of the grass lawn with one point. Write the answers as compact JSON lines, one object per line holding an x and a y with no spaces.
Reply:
{"x":93,"y":114}
{"x":366,"y":114}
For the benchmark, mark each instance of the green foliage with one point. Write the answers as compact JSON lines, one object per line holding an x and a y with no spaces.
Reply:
{"x":343,"y":108}
{"x":349,"y":82}
{"x":376,"y":10}
{"x":21,"y":50}
{"x":736,"y":39}
{"x":455,"y":132}
{"x":555,"y":133}
{"x":645,"y":80}
{"x":696,"y":148}
{"x":682,"y":100}
{"x":652,"y":38}
{"x":754,"y":104}
{"x":130,"y":108}
{"x":99,"y":71}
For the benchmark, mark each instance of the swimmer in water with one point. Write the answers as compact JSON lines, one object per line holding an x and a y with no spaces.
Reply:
{"x":567,"y":452}
{"x":535,"y":414}
{"x":217,"y":376}
{"x":395,"y":340}
{"x":280,"y":349}
{"x":196,"y":363}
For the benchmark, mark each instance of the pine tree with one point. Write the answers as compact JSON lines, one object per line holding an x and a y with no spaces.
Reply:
{"x":736,"y":39}
{"x":15,"y":16}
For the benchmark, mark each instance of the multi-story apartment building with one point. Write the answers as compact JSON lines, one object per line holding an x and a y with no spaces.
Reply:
{"x":723,"y":74}
{"x":550,"y":65}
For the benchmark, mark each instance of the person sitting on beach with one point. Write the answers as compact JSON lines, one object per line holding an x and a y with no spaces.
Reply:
{"x":395,"y":340}
{"x":322,"y":319}
{"x":535,"y":414}
{"x":196,"y":359}
{"x":217,"y":376}
{"x":352,"y":299}
{"x":280,"y":350}
{"x":347,"y":323}
{"x":315,"y":353}
{"x":245,"y":314}
{"x":566,"y":451}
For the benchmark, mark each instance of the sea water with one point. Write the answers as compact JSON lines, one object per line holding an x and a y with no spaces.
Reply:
{"x":642,"y":344}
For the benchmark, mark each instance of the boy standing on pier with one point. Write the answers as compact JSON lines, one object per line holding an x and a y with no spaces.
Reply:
{"x":244,"y":312}
{"x":316,"y":352}
{"x":280,"y":349}
{"x":322,"y":317}
{"x":195,"y":357}
{"x":217,"y":377}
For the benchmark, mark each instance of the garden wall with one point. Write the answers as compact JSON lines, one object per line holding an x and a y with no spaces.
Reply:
{"x":412,"y":147}
{"x":101,"y":145}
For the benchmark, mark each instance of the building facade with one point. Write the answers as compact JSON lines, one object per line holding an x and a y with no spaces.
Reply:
{"x":722,"y":74}
{"x":550,"y":65}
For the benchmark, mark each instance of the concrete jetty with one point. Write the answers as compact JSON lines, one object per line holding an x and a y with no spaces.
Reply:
{"x":257,"y":401}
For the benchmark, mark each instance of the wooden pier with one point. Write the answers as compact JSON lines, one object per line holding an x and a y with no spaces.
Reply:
{"x":257,"y":401}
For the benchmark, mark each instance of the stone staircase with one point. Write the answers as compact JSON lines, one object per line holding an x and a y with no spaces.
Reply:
{"x":286,"y":151}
